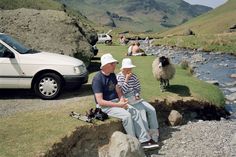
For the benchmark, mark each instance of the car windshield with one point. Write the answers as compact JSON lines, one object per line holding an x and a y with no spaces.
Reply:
{"x":14,"y":44}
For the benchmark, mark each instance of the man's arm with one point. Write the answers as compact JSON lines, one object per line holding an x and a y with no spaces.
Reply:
{"x":102,"y":102}
{"x":119,"y":91}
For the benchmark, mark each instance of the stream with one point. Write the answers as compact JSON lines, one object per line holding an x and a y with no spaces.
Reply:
{"x":213,"y":67}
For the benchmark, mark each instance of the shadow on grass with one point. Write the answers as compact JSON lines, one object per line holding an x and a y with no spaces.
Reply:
{"x":179,"y":89}
{"x":85,"y":90}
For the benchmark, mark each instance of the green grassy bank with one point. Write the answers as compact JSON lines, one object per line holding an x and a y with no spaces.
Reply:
{"x":27,"y":134}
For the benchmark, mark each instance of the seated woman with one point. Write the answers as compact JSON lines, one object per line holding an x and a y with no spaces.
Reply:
{"x":131,"y":88}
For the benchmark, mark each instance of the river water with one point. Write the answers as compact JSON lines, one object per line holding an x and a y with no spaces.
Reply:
{"x":214,"y":67}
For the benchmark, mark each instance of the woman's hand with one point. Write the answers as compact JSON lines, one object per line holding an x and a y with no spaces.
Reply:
{"x":128,"y":76}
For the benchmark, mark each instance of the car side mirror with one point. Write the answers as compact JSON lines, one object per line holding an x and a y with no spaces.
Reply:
{"x":7,"y":53}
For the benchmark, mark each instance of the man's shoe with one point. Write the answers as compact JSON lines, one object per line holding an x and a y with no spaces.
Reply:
{"x":149,"y":144}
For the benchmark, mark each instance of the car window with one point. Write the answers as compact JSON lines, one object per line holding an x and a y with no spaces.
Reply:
{"x":14,"y":44}
{"x":104,"y":36}
{"x":2,"y":49}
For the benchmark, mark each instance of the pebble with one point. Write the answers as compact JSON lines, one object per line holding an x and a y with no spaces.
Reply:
{"x":199,"y":139}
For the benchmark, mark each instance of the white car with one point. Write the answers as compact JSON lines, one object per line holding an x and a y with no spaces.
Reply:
{"x":105,"y":38}
{"x":46,"y":73}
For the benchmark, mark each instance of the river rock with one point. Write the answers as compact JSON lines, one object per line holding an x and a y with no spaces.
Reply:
{"x":232,"y":90}
{"x":197,"y":58}
{"x":214,"y":82}
{"x":122,"y":145}
{"x":175,"y":118}
{"x":231,"y":83}
{"x":231,"y":97}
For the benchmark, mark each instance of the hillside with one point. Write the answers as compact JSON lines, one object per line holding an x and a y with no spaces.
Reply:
{"x":137,"y":15}
{"x":214,"y":31}
{"x":56,"y":27}
{"x":39,"y":4}
{"x":216,"y":21}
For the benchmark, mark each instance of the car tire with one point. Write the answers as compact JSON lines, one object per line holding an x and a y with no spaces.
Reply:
{"x":48,"y":86}
{"x":108,"y":42}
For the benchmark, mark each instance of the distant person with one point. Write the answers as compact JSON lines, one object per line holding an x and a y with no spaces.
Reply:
{"x":123,"y":40}
{"x":136,"y":50}
{"x":109,"y":98}
{"x":130,"y":85}
{"x":147,"y":41}
{"x":130,"y":49}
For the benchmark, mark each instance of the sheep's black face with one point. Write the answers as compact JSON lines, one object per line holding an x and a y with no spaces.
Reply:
{"x":164,"y":61}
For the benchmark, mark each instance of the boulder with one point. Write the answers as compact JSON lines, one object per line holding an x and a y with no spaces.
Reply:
{"x":122,"y":145}
{"x":48,"y":30}
{"x":175,"y":118}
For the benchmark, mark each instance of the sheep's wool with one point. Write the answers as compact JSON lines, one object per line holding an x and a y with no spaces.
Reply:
{"x":166,"y":72}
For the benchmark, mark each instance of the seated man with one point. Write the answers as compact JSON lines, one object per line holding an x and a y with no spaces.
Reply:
{"x":109,"y":98}
{"x":135,"y":50}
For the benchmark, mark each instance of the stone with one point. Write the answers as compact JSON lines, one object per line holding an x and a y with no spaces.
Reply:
{"x":230,"y":83}
{"x":122,"y":145}
{"x":175,"y":118}
{"x":233,"y":142}
{"x":231,"y":97}
{"x":231,"y":89}
{"x":214,"y":82}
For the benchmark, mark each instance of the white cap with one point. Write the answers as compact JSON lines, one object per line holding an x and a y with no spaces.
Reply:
{"x":107,"y":58}
{"x":127,"y":63}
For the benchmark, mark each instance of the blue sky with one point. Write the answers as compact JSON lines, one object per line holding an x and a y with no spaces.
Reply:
{"x":210,"y":3}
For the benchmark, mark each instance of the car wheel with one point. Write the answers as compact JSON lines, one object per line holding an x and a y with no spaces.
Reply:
{"x":108,"y":42}
{"x":48,"y":86}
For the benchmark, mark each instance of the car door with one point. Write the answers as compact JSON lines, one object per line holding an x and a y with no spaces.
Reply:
{"x":9,"y":68}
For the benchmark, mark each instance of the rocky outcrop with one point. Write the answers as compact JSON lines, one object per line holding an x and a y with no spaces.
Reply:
{"x":122,"y":145}
{"x":48,"y":30}
{"x":175,"y":118}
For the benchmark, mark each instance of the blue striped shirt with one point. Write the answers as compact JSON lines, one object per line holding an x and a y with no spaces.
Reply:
{"x":133,"y":83}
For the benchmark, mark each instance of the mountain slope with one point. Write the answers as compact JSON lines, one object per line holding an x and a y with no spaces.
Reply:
{"x":216,"y":21}
{"x":137,"y":15}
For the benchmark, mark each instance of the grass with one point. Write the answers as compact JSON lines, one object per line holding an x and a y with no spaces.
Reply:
{"x":28,"y":134}
{"x":207,"y":42}
{"x":185,"y":85}
{"x":39,"y":4}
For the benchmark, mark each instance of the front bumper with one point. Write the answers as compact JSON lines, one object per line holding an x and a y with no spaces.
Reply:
{"x":75,"y":80}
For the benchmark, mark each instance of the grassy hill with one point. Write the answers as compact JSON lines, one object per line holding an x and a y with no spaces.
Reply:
{"x":137,"y":15}
{"x":39,"y":4}
{"x":212,"y":31}
{"x":216,"y":21}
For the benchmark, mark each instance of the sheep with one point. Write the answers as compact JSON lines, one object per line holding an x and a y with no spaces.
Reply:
{"x":163,"y":71}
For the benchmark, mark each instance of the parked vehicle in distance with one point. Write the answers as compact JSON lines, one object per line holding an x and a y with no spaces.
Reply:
{"x":105,"y":38}
{"x":46,"y":73}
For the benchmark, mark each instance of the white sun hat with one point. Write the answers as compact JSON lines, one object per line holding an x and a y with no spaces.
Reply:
{"x":127,"y":63}
{"x":107,"y":58}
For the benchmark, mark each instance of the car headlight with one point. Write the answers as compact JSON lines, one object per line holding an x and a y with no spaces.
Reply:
{"x":80,"y":69}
